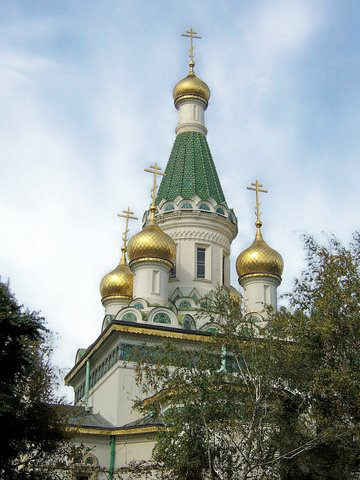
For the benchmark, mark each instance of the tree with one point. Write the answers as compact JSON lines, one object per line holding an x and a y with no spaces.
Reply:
{"x":33,"y":440}
{"x":278,"y":399}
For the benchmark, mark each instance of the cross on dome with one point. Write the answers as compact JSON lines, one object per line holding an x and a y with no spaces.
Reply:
{"x":257,"y":187}
{"x":128,"y":215}
{"x":155,"y":170}
{"x":191,"y":34}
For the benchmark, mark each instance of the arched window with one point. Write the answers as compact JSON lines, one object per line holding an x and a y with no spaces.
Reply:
{"x":128,"y":317}
{"x":169,"y":207}
{"x":139,"y":306}
{"x":161,"y":317}
{"x":189,"y":323}
{"x":220,"y":211}
{"x":204,"y":206}
{"x":184,"y":304}
{"x":186,"y":206}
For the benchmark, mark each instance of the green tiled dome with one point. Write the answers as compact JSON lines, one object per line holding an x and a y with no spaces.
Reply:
{"x":190,"y":171}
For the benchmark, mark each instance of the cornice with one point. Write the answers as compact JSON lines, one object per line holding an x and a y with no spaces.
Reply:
{"x":139,"y":330}
{"x":113,"y":431}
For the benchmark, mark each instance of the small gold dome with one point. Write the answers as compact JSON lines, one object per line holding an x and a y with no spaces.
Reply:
{"x":191,"y":86}
{"x":119,"y":282}
{"x":259,"y":259}
{"x":152,"y":244}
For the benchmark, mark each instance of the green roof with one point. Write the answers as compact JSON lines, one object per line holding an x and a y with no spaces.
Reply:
{"x":190,"y":171}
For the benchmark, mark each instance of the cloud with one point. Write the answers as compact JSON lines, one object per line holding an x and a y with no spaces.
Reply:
{"x":85,"y":97}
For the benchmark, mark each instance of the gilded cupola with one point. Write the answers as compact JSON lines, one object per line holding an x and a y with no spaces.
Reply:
{"x":152,"y":244}
{"x":191,"y":87}
{"x":119,"y":282}
{"x":259,"y":259}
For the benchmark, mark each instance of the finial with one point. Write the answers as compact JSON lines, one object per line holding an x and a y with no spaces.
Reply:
{"x":128,"y":215}
{"x":191,"y":34}
{"x":155,"y":170}
{"x":257,"y":187}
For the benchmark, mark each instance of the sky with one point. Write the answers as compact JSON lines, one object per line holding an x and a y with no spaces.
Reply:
{"x":86,"y":104}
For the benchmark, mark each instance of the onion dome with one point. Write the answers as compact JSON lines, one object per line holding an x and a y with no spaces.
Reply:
{"x":259,"y":259}
{"x":119,"y":282}
{"x":152,"y":244}
{"x":191,"y":87}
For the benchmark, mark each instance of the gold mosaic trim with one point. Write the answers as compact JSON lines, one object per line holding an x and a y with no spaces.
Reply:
{"x":113,"y":431}
{"x":136,"y":330}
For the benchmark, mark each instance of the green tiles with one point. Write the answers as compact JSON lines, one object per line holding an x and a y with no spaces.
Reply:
{"x":190,"y":171}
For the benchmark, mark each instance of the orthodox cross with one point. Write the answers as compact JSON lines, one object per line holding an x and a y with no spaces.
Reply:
{"x":257,"y":187}
{"x":128,"y":215}
{"x":191,"y":34}
{"x":155,"y":170}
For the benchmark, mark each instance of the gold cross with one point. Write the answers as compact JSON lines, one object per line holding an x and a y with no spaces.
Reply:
{"x":191,"y":34}
{"x":128,"y":215}
{"x":257,"y":189}
{"x":155,"y":170}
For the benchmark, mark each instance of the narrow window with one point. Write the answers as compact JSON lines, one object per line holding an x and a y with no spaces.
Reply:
{"x":156,"y":281}
{"x":267,"y":294}
{"x":223,"y":270}
{"x":200,"y":262}
{"x":173,"y":271}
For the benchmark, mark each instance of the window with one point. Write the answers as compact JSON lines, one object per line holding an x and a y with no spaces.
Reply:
{"x":129,"y":317}
{"x":184,"y":304}
{"x":200,"y":262}
{"x":220,"y":211}
{"x":267,"y":294}
{"x":186,"y":206}
{"x":138,"y":306}
{"x":189,"y":323}
{"x":161,"y":317}
{"x":155,"y":281}
{"x":204,"y":206}
{"x":223,"y":270}
{"x":169,"y":207}
{"x":173,"y":271}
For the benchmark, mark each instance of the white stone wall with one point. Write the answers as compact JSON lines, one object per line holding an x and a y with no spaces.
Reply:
{"x":151,"y":281}
{"x":191,"y":230}
{"x":259,"y":291}
{"x":191,"y":116}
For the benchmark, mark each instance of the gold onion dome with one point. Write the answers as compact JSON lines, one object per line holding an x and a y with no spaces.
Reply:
{"x":152,"y":244}
{"x":119,"y":282}
{"x":191,"y":86}
{"x":259,"y":259}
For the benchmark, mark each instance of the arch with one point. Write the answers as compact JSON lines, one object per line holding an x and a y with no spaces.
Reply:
{"x":169,"y":207}
{"x":186,"y":206}
{"x":138,"y":305}
{"x":189,"y":323}
{"x":184,"y":304}
{"x":204,"y":206}
{"x":220,"y":211}
{"x":128,"y":317}
{"x":161,"y":317}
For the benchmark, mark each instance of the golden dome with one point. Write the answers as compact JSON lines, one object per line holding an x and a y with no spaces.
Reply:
{"x":119,"y":282}
{"x":191,"y":86}
{"x":259,"y":259}
{"x":152,"y":244}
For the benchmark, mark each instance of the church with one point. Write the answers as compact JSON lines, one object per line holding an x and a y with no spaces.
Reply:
{"x":181,"y":254}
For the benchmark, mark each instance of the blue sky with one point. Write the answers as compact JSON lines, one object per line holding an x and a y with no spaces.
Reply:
{"x":85,"y":105}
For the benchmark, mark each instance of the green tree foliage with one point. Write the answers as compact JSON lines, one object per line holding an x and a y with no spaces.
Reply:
{"x":33,"y":441}
{"x":265,"y":400}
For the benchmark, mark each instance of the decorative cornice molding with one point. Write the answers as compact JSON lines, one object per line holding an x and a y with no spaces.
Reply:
{"x":139,"y":330}
{"x":113,"y":431}
{"x":200,"y":235}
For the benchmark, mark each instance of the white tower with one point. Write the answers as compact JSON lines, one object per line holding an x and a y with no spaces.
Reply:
{"x":259,"y":268}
